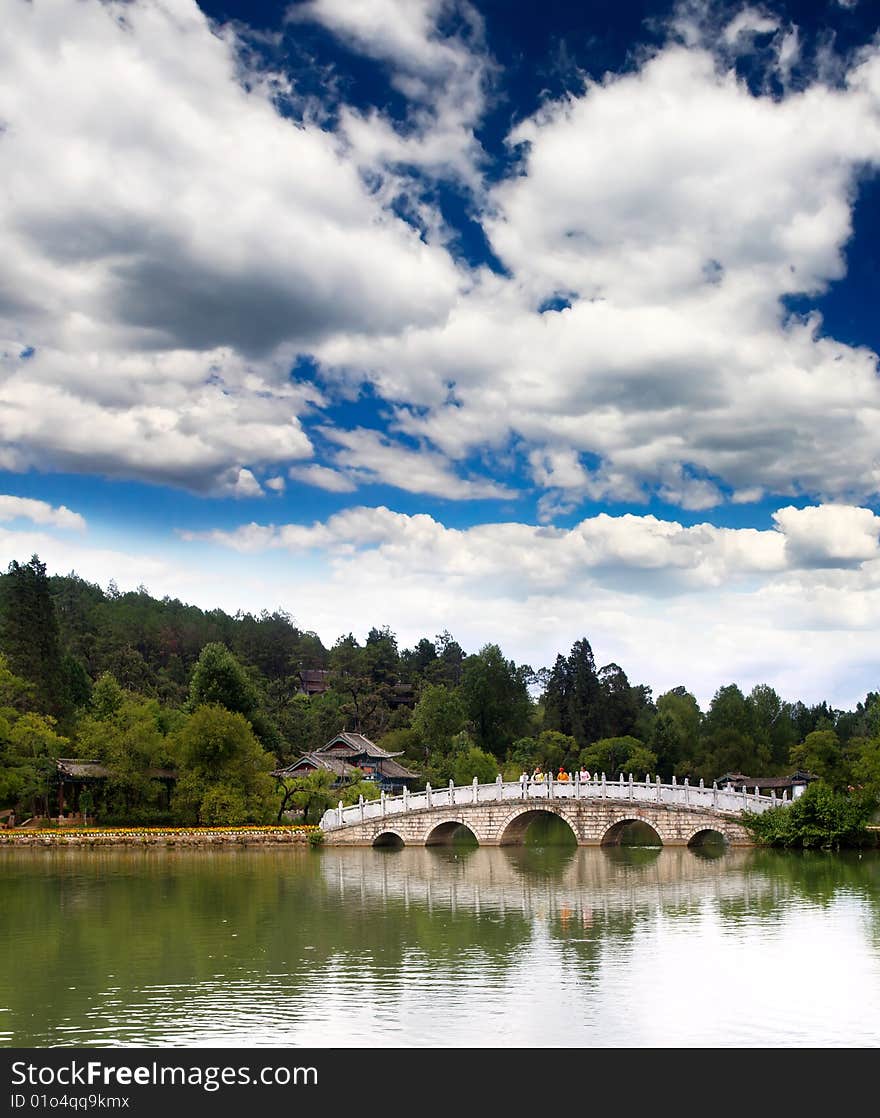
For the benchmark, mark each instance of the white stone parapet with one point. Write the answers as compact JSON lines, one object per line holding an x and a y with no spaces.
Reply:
{"x":689,"y":796}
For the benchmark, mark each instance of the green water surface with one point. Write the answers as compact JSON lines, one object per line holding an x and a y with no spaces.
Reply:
{"x":540,"y":945}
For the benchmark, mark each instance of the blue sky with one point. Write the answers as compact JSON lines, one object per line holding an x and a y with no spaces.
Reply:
{"x":525,"y":321}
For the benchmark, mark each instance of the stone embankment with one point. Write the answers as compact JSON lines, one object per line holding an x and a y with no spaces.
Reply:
{"x":156,"y":836}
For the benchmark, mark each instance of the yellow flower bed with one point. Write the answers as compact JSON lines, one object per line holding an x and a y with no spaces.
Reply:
{"x":243,"y":828}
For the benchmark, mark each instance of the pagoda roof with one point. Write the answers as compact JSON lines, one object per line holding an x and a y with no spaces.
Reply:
{"x":316,"y":760}
{"x":356,"y":745}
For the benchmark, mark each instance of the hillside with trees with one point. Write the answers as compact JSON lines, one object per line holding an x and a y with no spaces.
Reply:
{"x":190,"y":711}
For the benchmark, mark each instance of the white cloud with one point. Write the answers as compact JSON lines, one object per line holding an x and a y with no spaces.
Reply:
{"x":829,"y":535}
{"x":240,"y":483}
{"x":697,"y":605}
{"x":170,"y":242}
{"x":39,"y":512}
{"x":749,"y":21}
{"x":443,"y":76}
{"x":676,"y":209}
{"x":324,"y":478}
{"x":369,"y":456}
{"x":615,"y":549}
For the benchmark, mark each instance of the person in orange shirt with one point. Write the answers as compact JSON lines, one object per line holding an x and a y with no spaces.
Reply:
{"x":562,"y":774}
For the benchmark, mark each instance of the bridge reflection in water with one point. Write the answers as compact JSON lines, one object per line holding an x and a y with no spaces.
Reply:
{"x":525,"y":880}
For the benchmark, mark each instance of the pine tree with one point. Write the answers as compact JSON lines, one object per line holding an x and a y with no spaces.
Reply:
{"x":29,"y":633}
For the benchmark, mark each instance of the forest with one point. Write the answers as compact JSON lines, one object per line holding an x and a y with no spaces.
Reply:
{"x":149,"y":687}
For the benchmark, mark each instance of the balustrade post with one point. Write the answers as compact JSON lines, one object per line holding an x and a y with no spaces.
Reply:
{"x":687,"y":790}
{"x":361,"y":806}
{"x":621,"y":785}
{"x":630,"y":785}
{"x":499,"y":787}
{"x":427,"y":793}
{"x":451,"y":791}
{"x":714,"y":792}
{"x":405,"y":798}
{"x":382,"y":801}
{"x":550,"y":786}
{"x":773,"y":796}
{"x":785,"y":795}
{"x":339,"y":813}
{"x":658,"y":789}
{"x":577,"y":784}
{"x":604,"y":787}
{"x":475,"y":785}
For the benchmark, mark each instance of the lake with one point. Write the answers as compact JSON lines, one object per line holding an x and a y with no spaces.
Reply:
{"x":529,"y":946}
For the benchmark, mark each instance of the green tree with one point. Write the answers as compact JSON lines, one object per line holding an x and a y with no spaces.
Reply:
{"x":438,"y":716}
{"x":820,"y":753}
{"x":314,"y":792}
{"x":675,"y":735}
{"x":865,"y":766}
{"x":30,"y":750}
{"x":350,"y":676}
{"x":216,"y":748}
{"x":496,"y":698}
{"x":107,"y":697}
{"x":554,"y":750}
{"x":821,"y":818}
{"x":619,"y":755}
{"x":130,"y":738}
{"x":29,"y":633}
{"x":772,"y":726}
{"x":474,"y":762}
{"x":220,"y":679}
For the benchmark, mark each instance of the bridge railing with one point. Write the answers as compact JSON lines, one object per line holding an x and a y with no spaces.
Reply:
{"x":598,"y":788}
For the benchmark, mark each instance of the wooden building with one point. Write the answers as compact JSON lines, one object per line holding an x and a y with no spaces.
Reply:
{"x":349,"y":754}
{"x":73,"y":774}
{"x":794,"y":783}
{"x":313,"y":681}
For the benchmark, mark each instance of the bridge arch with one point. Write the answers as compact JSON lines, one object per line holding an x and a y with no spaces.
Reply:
{"x":446,"y":832}
{"x":389,"y":840}
{"x":616,"y":831}
{"x":513,"y":830}
{"x":707,"y":835}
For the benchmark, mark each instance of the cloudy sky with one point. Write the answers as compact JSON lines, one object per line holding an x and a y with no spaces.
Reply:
{"x":526,"y":321}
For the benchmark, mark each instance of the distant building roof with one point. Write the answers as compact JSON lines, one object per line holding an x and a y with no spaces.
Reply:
{"x":394,"y":769}
{"x":349,"y":753}
{"x":355,"y":745}
{"x":314,"y":760}
{"x":313,"y":681}
{"x":77,"y":768}
{"x":740,"y":781}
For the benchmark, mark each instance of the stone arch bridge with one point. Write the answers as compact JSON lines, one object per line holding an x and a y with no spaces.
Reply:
{"x":499,"y":814}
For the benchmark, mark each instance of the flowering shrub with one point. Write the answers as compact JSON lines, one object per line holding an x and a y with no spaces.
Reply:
{"x":146,"y":832}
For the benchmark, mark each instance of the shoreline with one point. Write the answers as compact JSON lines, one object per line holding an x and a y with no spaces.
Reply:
{"x":160,"y":836}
